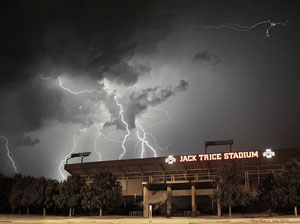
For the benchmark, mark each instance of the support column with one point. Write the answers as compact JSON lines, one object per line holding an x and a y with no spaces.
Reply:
{"x":169,"y":201}
{"x":146,"y":198}
{"x":194,"y":206}
{"x":247,"y":184}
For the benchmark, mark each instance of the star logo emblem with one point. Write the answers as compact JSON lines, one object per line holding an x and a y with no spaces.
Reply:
{"x":268,"y":153}
{"x":170,"y":159}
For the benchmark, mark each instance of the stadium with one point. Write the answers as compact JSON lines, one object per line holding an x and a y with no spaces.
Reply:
{"x":183,"y":184}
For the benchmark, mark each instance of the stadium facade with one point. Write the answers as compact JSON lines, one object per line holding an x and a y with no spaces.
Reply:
{"x":183,"y":184}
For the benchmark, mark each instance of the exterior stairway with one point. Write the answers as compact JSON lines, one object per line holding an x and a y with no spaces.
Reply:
{"x":158,"y":199}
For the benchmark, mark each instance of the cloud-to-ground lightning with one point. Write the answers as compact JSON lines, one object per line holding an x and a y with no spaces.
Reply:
{"x":126,"y":126}
{"x":241,"y":28}
{"x":143,"y":140}
{"x":60,"y":168}
{"x":121,"y":116}
{"x":95,"y":142}
{"x":8,"y":153}
{"x":99,"y":132}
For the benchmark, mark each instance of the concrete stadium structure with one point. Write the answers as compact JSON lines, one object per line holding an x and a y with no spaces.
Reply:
{"x":161,"y":180}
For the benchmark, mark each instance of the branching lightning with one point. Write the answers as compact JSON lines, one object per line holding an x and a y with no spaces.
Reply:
{"x":121,"y":116}
{"x":165,"y":112}
{"x":126,"y":126}
{"x":142,"y":138}
{"x":60,"y":168}
{"x":106,"y":138}
{"x":155,"y":142}
{"x":79,"y":92}
{"x":240,"y":28}
{"x":8,"y":154}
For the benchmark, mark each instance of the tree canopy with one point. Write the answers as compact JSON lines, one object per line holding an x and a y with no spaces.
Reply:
{"x":104,"y":192}
{"x":229,"y":188}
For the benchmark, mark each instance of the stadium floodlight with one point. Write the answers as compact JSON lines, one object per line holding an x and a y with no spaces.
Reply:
{"x":220,"y":142}
{"x":80,"y":154}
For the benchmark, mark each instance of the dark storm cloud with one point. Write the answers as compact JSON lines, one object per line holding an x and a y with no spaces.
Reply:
{"x":154,"y":96}
{"x":139,"y":102}
{"x":123,"y":73}
{"x":49,"y":38}
{"x":78,"y":37}
{"x":28,"y":141}
{"x":206,"y":57}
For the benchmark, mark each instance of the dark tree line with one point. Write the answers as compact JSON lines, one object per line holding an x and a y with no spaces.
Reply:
{"x":275,"y":192}
{"x":25,"y":192}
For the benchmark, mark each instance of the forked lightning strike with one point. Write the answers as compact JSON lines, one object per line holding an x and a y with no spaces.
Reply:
{"x":72,"y":150}
{"x":240,"y":28}
{"x":143,"y":140}
{"x":126,"y":126}
{"x":106,"y":138}
{"x":8,"y":154}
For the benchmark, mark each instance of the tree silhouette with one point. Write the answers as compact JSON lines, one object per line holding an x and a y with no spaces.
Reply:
{"x":230,"y":191}
{"x":72,"y":190}
{"x":5,"y":190}
{"x":87,"y":202}
{"x":51,"y":192}
{"x":60,"y":198}
{"x":106,"y":191}
{"x":269,"y":192}
{"x":18,"y":190}
{"x":289,"y":185}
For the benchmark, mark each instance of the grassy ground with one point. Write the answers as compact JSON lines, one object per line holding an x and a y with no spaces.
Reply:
{"x":23,"y":219}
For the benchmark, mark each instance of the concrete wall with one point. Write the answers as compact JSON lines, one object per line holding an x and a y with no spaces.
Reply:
{"x":132,"y":187}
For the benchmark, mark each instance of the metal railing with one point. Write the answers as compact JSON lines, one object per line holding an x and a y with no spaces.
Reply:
{"x":253,"y":173}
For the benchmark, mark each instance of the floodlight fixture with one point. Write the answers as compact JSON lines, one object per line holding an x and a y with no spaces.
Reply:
{"x":80,"y":154}
{"x":220,"y":142}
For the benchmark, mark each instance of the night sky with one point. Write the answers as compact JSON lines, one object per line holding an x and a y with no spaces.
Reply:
{"x":180,"y":81}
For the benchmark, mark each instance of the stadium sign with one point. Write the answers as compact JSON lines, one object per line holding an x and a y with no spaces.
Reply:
{"x":219,"y":156}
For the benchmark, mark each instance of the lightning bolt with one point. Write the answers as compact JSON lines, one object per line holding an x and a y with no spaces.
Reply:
{"x":95,"y":142}
{"x":165,"y":112}
{"x":126,"y":126}
{"x":106,"y":138}
{"x":79,"y":92}
{"x":99,"y":132}
{"x":143,"y":140}
{"x":80,"y":131}
{"x":60,"y":168}
{"x":240,"y":28}
{"x":8,"y":154}
{"x":155,"y":142}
